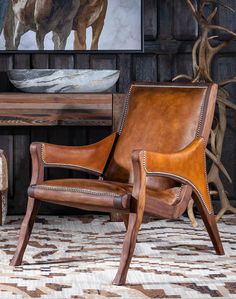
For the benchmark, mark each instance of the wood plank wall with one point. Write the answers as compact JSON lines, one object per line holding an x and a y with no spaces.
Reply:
{"x":170,"y":32}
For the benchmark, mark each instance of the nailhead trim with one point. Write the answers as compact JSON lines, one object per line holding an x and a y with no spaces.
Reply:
{"x":77,"y":190}
{"x":200,"y":121}
{"x":126,"y":108}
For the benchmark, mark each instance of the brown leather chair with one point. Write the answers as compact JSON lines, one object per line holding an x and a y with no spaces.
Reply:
{"x":153,"y":165}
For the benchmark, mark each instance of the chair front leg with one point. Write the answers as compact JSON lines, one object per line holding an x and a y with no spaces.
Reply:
{"x":25,"y":231}
{"x":128,"y":248}
{"x":134,"y":219}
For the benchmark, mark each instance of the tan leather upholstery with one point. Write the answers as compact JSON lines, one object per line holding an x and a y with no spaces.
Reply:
{"x":90,"y":158}
{"x":185,"y":165}
{"x":160,"y":118}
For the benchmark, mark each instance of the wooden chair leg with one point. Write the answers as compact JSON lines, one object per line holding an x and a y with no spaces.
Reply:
{"x":25,"y":231}
{"x":128,"y":248}
{"x":210,"y":224}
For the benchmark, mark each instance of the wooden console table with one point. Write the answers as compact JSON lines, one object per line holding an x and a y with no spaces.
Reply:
{"x":27,"y":109}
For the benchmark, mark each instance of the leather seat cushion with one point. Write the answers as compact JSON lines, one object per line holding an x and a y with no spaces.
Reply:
{"x":96,"y":193}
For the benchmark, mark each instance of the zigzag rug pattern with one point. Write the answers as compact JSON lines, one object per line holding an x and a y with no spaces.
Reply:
{"x":77,"y":257}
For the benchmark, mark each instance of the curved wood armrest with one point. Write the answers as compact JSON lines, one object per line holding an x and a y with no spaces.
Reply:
{"x":139,"y":188}
{"x":187,"y":166}
{"x":90,"y":158}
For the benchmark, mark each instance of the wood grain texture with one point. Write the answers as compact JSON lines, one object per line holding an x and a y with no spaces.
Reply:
{"x":226,"y":18}
{"x":40,"y":61}
{"x":145,"y":68}
{"x":21,"y":61}
{"x":19,"y":109}
{"x":150,"y":20}
{"x":185,"y":26}
{"x":61,"y":61}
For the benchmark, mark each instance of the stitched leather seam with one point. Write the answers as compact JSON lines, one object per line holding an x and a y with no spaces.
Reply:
{"x":179,"y":177}
{"x":200,"y":121}
{"x":64,"y":164}
{"x":77,"y":190}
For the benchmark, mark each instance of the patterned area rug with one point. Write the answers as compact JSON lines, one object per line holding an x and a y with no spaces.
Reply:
{"x":77,"y":257}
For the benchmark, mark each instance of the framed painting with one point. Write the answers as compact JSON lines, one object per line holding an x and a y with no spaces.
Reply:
{"x":71,"y":25}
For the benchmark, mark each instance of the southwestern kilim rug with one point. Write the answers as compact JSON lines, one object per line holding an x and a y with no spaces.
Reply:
{"x":77,"y":257}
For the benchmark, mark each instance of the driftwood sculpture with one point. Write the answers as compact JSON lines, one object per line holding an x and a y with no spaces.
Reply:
{"x":203,"y":54}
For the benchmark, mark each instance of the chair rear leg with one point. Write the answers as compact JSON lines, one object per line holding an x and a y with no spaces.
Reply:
{"x":210,"y":224}
{"x":25,"y":231}
{"x":126,"y":220}
{"x":128,"y":248}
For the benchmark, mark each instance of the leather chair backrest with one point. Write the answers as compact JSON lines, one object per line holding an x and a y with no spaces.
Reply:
{"x":162,"y":118}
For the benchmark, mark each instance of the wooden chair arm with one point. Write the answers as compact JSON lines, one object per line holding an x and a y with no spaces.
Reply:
{"x":187,"y":166}
{"x":90,"y":158}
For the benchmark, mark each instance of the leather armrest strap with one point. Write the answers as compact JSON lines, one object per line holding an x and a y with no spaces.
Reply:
{"x":91,"y":158}
{"x":187,"y":166}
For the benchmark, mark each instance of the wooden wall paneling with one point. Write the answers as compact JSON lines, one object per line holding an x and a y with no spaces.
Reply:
{"x":21,"y":169}
{"x":125,"y":67}
{"x":6,"y":63}
{"x":145,"y":68}
{"x":165,"y":19}
{"x":106,"y":61}
{"x":81,"y":61}
{"x":165,"y":63}
{"x":150,"y":20}
{"x":226,"y":18}
{"x":184,"y":25}
{"x":95,"y":134}
{"x":40,"y":61}
{"x":61,"y":61}
{"x":224,"y":68}
{"x":21,"y":61}
{"x":182,"y":64}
